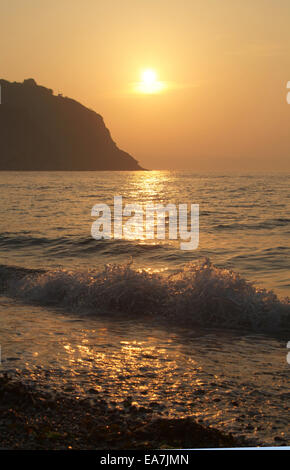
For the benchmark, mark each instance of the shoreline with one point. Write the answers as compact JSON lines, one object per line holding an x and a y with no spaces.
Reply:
{"x":34,"y":420}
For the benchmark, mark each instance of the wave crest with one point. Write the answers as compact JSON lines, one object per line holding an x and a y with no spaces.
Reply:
{"x":199,"y":294}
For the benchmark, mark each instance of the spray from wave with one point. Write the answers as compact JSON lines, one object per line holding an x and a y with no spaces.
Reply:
{"x":198,"y":294}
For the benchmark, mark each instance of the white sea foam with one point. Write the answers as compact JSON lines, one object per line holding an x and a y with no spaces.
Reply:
{"x":198,"y":294}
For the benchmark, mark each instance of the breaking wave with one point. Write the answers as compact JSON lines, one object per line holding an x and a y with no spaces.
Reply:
{"x":198,"y":294}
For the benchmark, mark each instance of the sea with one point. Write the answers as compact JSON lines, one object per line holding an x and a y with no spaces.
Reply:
{"x":201,"y":332}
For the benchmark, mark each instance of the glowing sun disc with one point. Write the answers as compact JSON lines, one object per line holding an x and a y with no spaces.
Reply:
{"x":149,"y":83}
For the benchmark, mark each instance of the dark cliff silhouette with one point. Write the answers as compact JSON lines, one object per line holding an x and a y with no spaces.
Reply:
{"x":41,"y":131}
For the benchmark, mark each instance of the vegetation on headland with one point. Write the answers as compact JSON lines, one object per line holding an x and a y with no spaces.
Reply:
{"x":41,"y":131}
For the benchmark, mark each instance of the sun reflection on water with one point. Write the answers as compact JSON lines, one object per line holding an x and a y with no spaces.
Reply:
{"x":128,"y":364}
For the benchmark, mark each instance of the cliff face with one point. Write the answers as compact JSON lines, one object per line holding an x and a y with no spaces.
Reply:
{"x":40,"y":131}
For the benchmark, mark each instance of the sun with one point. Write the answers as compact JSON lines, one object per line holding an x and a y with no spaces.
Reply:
{"x":149,"y":83}
{"x":148,"y":77}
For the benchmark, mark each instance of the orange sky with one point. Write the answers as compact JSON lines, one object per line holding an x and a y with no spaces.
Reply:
{"x":226,"y":62}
